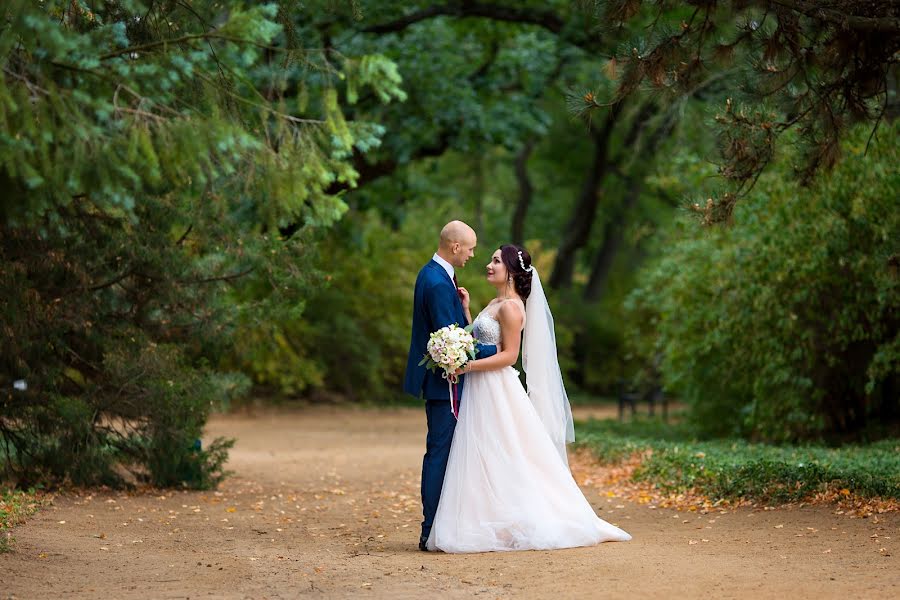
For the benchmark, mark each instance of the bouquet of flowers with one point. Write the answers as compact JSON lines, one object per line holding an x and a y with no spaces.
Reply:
{"x":449,"y":348}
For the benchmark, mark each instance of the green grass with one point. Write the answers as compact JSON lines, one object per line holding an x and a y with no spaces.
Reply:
{"x":15,"y":506}
{"x":732,"y":468}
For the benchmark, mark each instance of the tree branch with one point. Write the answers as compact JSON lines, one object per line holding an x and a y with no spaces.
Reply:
{"x":810,"y":9}
{"x":182,"y":39}
{"x":545,"y":19}
{"x":111,"y":282}
{"x":465,"y":8}
{"x":230,"y":277}
{"x":371,"y":171}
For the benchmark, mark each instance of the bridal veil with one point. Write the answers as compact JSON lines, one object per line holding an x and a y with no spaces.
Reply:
{"x":543,"y":377}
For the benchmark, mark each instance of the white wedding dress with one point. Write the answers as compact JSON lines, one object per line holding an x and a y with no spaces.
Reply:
{"x":507,"y":487}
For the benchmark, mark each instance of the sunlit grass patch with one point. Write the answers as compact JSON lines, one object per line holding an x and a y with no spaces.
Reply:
{"x":674,"y":460}
{"x":15,"y":507}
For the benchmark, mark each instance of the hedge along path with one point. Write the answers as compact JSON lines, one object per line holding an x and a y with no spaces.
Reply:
{"x":324,"y":503}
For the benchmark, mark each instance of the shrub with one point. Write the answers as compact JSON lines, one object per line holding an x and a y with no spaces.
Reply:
{"x":784,"y":326}
{"x":142,"y":183}
{"x":734,"y":468}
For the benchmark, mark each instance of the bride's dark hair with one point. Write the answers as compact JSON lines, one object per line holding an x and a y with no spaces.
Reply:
{"x":509,"y":254}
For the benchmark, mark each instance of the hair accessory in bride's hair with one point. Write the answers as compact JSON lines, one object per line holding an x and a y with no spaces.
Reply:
{"x":522,"y":262}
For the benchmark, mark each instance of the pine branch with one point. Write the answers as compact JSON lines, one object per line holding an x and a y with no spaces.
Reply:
{"x":810,"y":9}
{"x":230,"y":277}
{"x":111,"y":282}
{"x":269,"y":109}
{"x":181,"y":40}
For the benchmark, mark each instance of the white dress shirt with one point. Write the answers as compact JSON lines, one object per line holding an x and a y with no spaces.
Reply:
{"x":447,"y":266}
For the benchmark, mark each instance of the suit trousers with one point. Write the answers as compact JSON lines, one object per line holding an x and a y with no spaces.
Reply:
{"x":441,"y":425}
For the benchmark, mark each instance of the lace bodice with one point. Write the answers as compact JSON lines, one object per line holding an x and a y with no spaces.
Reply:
{"x":487,"y":328}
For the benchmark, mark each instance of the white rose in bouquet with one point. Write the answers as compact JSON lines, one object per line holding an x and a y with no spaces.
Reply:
{"x":449,"y":348}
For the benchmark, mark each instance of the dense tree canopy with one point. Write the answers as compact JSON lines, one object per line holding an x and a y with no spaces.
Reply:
{"x":787,"y":325}
{"x":207,"y":198}
{"x":819,"y":67}
{"x":146,"y":149}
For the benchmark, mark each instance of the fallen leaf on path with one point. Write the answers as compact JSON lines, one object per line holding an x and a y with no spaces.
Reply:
{"x":616,"y":480}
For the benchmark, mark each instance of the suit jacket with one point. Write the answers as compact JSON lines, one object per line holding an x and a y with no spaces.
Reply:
{"x":436,"y":304}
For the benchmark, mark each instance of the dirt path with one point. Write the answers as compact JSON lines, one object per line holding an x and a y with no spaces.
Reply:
{"x":324,"y":503}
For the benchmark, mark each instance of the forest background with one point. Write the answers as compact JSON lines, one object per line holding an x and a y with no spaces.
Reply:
{"x":218,"y":202}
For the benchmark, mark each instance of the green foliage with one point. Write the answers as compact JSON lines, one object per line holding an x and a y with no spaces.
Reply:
{"x":843,"y":74}
{"x":149,"y":154}
{"x":15,"y":507}
{"x":471,"y":84}
{"x":785,"y":325}
{"x":353,"y":336}
{"x":480,"y":89}
{"x":205,"y":196}
{"x":101,"y":323}
{"x":733,"y":468}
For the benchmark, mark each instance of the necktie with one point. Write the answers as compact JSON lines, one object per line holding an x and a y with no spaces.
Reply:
{"x":454,"y":281}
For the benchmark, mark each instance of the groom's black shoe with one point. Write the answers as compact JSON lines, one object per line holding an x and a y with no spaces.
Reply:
{"x":423,"y":544}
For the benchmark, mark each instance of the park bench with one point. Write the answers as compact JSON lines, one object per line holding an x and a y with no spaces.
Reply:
{"x":631,"y":394}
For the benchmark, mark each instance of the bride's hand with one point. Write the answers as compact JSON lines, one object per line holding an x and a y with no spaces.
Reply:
{"x":464,"y":297}
{"x":462,"y":370}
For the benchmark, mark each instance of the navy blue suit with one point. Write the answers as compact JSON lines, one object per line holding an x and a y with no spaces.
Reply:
{"x":436,"y":304}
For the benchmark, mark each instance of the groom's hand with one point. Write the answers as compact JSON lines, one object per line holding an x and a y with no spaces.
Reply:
{"x":464,"y":297}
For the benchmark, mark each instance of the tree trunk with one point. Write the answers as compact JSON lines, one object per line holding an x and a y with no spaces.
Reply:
{"x":526,"y":191}
{"x":613,"y":234}
{"x":578,"y":229}
{"x":478,"y":200}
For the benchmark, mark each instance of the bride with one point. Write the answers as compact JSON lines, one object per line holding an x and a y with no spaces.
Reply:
{"x":508,"y":484}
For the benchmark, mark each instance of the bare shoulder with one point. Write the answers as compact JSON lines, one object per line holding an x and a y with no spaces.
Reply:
{"x":511,"y":313}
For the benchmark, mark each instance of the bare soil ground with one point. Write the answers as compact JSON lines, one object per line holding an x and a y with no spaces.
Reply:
{"x":324,"y":503}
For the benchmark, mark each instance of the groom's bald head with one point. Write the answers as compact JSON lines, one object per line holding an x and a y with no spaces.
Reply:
{"x":457,"y":244}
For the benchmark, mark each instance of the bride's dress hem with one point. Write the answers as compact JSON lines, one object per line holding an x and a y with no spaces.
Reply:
{"x":506,"y":487}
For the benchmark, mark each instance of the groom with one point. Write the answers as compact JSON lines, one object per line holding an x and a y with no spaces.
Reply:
{"x":438,"y":302}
